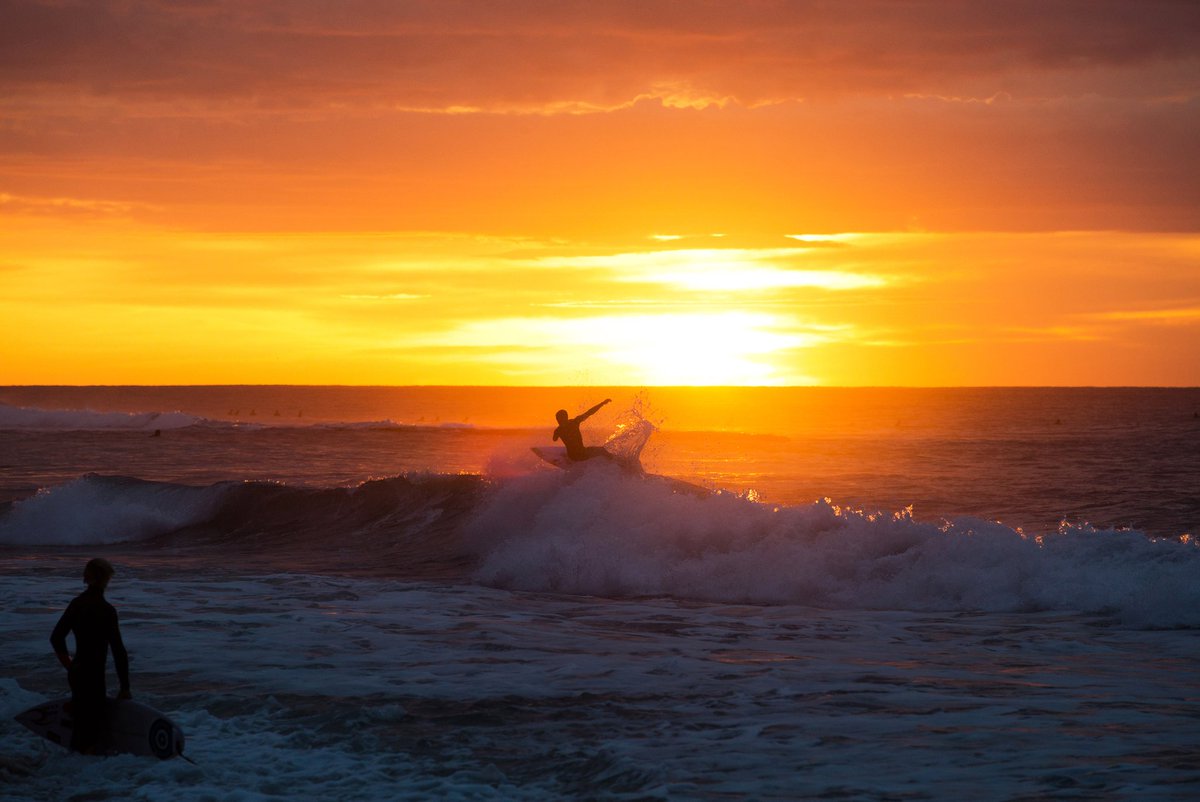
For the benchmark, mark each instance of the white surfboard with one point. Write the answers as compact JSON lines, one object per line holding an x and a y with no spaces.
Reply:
{"x":133,"y":728}
{"x":555,"y":455}
{"x":625,"y":445}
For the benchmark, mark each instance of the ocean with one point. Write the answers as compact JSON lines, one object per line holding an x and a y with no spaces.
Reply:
{"x":362,"y":593}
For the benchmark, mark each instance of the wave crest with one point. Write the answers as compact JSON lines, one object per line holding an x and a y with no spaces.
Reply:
{"x":601,"y":533}
{"x":596,"y":530}
{"x":393,"y":526}
{"x":107,"y":509}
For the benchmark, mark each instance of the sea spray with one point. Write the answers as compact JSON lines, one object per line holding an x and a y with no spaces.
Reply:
{"x":600,"y":532}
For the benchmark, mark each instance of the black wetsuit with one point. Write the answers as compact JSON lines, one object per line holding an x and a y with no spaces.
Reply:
{"x":94,"y":622}
{"x":572,"y":438}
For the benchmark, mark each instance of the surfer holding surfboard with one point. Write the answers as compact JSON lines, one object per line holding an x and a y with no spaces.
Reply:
{"x":572,"y":438}
{"x":94,"y":622}
{"x":90,"y":722}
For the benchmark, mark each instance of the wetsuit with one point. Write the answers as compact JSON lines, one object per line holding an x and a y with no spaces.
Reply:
{"x":572,"y":438}
{"x":94,"y":622}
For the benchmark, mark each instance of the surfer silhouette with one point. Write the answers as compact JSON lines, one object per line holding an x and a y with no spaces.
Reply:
{"x":94,"y":622}
{"x":572,"y":438}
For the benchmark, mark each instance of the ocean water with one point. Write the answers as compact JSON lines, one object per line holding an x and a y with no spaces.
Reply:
{"x":381,"y":593}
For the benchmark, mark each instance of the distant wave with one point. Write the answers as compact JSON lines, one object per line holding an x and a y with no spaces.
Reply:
{"x":601,"y":532}
{"x":90,"y":420}
{"x":86,"y":419}
{"x":389,"y":424}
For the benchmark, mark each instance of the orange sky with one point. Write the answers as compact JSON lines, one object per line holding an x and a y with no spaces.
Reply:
{"x":625,"y":193}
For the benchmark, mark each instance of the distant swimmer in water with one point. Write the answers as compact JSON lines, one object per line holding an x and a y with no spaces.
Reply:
{"x":94,"y":622}
{"x":572,"y":438}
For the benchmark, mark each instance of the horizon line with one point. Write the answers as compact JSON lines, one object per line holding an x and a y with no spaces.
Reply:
{"x":641,"y":386}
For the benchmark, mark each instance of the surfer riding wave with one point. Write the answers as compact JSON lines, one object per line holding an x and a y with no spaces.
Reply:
{"x":572,"y":438}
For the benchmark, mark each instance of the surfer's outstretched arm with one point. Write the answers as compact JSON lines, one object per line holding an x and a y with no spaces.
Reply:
{"x":593,"y":410}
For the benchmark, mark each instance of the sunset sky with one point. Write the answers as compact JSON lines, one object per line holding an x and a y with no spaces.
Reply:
{"x":620,"y":193}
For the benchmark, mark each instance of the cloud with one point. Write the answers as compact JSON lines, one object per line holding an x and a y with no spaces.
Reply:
{"x":584,"y":56}
{"x":391,"y":296}
{"x":588,"y":118}
{"x":1083,"y":307}
{"x":1177,"y":316}
{"x":719,"y":269}
{"x":66,"y":207}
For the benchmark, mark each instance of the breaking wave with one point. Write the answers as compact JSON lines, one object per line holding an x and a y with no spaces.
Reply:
{"x":596,"y":530}
{"x":599,"y":533}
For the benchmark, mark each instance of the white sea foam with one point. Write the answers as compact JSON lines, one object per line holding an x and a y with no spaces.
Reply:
{"x":599,"y":532}
{"x":97,"y":509}
{"x":365,"y":689}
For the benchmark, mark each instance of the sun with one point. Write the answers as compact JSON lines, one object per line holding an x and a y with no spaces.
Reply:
{"x":702,"y":348}
{"x":697,"y":348}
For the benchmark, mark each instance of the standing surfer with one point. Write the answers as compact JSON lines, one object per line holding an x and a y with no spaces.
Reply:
{"x":572,"y":438}
{"x":94,"y":622}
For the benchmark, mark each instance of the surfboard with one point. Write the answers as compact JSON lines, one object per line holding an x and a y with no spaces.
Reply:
{"x":555,"y":455}
{"x":625,"y":444}
{"x":133,"y":728}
